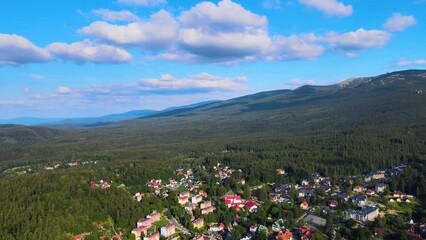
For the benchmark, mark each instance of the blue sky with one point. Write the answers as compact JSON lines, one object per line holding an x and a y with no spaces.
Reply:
{"x":95,"y":57}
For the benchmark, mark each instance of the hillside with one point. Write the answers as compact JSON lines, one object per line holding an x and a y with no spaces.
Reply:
{"x":15,"y":135}
{"x":386,"y":107}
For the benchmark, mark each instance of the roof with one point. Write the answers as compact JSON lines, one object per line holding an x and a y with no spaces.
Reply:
{"x":251,"y":204}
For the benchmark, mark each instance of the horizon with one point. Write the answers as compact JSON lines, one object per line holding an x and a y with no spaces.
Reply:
{"x":105,"y":57}
{"x":56,"y":118}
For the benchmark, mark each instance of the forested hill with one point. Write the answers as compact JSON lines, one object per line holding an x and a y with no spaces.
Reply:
{"x":390,"y":108}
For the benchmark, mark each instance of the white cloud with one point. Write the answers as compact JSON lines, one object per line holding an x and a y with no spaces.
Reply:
{"x":157,"y":33}
{"x":12,"y":102}
{"x":87,"y":51}
{"x":360,"y":39}
{"x":36,"y":76}
{"x":27,"y":90}
{"x":271,"y":4}
{"x":114,"y":16}
{"x":17,"y":50}
{"x":329,"y":7}
{"x":294,"y":47}
{"x":165,"y":84}
{"x":225,"y":32}
{"x":142,"y":2}
{"x":63,"y":90}
{"x":399,"y":22}
{"x":223,"y":45}
{"x":197,"y":82}
{"x":408,"y":63}
{"x":225,"y":16}
{"x":299,"y":82}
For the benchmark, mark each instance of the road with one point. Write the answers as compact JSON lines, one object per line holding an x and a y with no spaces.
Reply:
{"x":179,"y":226}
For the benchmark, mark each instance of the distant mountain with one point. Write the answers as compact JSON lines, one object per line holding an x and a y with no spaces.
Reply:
{"x":388,"y":106}
{"x":30,"y":121}
{"x":92,"y":121}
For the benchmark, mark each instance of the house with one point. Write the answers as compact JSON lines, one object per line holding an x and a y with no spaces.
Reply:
{"x":233,"y":201}
{"x":203,"y":237}
{"x":261,"y":228}
{"x":378,"y":174}
{"x":315,"y":221}
{"x":154,"y":236}
{"x":367,"y":213}
{"x":138,"y":196}
{"x":196,"y":199}
{"x":278,"y":225}
{"x":168,"y":230}
{"x":138,"y":232}
{"x":370,"y":192}
{"x":358,"y":189}
{"x":398,"y":194}
{"x":280,"y":171}
{"x":198,"y":223}
{"x":286,"y":235}
{"x":379,"y":231}
{"x":332,"y":203}
{"x":306,"y":232}
{"x":380,"y":187}
{"x":252,"y":206}
{"x":342,"y":195}
{"x":203,"y":193}
{"x":144,"y":223}
{"x":155,"y":217}
{"x":206,"y":204}
{"x":183,"y":200}
{"x":217,"y":228}
{"x":360,"y":200}
{"x":253,"y":228}
{"x":207,"y":210}
{"x":306,"y":192}
{"x":105,"y":184}
{"x":305,"y":182}
{"x":80,"y":236}
{"x":304,"y":205}
{"x":184,"y":194}
{"x":153,"y":184}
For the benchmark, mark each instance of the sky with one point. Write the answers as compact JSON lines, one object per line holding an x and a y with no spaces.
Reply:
{"x":86,"y":58}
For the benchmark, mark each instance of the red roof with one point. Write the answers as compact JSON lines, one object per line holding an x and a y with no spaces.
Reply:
{"x":251,"y":204}
{"x":287,"y":235}
{"x":170,"y":226}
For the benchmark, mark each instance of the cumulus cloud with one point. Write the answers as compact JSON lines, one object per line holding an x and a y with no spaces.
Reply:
{"x":165,"y":84}
{"x":225,"y":16}
{"x":295,"y":47}
{"x":17,"y":50}
{"x":142,"y":2}
{"x":63,"y":90}
{"x":115,"y":16}
{"x":209,"y":31}
{"x":329,"y":7}
{"x":408,"y":63}
{"x":197,"y":82}
{"x":87,"y":51}
{"x":360,"y":39}
{"x":157,"y":33}
{"x":399,"y":22}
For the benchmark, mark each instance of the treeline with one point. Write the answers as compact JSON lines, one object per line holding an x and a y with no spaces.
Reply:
{"x":50,"y":205}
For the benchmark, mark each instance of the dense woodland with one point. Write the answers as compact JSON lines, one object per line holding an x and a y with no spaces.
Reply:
{"x":311,"y":130}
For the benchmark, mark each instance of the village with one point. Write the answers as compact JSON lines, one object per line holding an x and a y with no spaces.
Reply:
{"x":295,"y":210}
